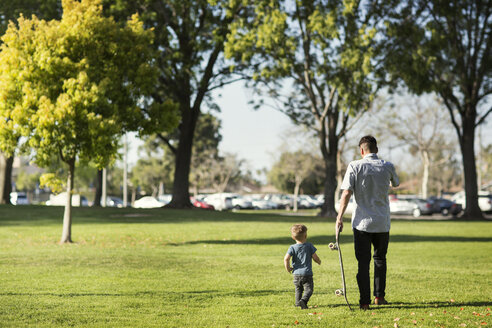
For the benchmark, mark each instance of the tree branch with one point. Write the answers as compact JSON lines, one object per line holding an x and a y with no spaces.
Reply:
{"x":168,"y":143}
{"x":484,"y":116}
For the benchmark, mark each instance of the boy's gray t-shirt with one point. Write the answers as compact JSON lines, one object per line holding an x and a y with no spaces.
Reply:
{"x":302,"y":255}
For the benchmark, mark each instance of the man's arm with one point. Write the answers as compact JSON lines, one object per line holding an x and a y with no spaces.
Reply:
{"x":395,"y":181}
{"x":344,"y":200}
{"x":287,"y":263}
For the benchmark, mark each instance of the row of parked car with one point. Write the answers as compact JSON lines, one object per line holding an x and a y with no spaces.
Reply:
{"x":406,"y":205}
{"x":412,"y":205}
{"x":218,"y":201}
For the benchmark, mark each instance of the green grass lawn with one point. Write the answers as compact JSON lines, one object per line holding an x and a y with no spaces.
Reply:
{"x":165,"y":268}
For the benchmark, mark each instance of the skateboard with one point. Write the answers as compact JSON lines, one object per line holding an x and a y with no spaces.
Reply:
{"x":336,"y":247}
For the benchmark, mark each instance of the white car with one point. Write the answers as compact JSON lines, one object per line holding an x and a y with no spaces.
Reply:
{"x":259,"y":203}
{"x":281,"y":201}
{"x":148,"y":202}
{"x":484,"y":200}
{"x":350,"y":206}
{"x":403,"y":206}
{"x":220,"y":202}
{"x":18,"y":198}
{"x":61,"y":200}
{"x":239,"y":202}
{"x":306,"y":201}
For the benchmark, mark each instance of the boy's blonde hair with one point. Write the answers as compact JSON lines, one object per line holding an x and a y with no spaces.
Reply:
{"x":298,"y":231}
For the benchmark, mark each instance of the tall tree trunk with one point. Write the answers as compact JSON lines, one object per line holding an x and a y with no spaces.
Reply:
{"x":297,"y":186}
{"x":467,"y":143}
{"x":328,"y":208}
{"x":6,"y":164}
{"x":330,"y":153}
{"x":425,"y":176}
{"x":181,"y":183}
{"x":67,"y":216}
{"x":97,"y":197}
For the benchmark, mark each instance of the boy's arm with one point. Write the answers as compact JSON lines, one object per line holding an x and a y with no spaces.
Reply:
{"x":316,"y":258}
{"x":287,"y":263}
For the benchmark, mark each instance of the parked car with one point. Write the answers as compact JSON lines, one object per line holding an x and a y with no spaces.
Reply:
{"x":201,"y":204}
{"x":260,"y":203}
{"x":113,"y":201}
{"x":424,"y":207}
{"x":148,"y":202}
{"x":19,"y":198}
{"x":350,"y":206}
{"x":484,"y":200}
{"x":166,"y":198}
{"x":306,"y":201}
{"x":220,"y":202}
{"x":240,"y":203}
{"x":445,"y":206}
{"x":61,"y":200}
{"x":403,"y":206}
{"x":280,"y":200}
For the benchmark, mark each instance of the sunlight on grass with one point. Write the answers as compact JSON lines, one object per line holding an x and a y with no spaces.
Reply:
{"x":165,"y":268}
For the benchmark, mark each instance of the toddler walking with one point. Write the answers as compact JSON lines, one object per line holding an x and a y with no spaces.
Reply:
{"x":302,"y":254}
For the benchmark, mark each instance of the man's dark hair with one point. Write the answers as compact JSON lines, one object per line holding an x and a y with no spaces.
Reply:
{"x":371,"y":143}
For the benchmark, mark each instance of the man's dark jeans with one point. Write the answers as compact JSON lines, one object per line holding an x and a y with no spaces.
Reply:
{"x":362,"y":245}
{"x":304,"y":288}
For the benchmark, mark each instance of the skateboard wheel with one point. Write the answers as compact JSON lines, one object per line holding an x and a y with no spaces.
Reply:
{"x":339,"y":292}
{"x":333,"y":246}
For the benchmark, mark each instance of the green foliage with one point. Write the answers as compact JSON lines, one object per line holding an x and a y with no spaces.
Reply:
{"x":311,"y":167}
{"x":149,"y":172}
{"x":443,"y":47}
{"x":314,"y":47}
{"x":72,"y":87}
{"x":26,"y":181}
{"x":52,"y":181}
{"x":43,"y":9}
{"x":211,"y":269}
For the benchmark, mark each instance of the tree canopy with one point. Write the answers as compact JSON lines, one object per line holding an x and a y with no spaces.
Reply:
{"x":314,"y":61}
{"x":189,"y":36}
{"x":444,"y":47}
{"x":72,"y":87}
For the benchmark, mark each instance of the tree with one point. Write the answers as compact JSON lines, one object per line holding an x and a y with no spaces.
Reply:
{"x":420,"y":126}
{"x":205,"y":151}
{"x":293,"y":167}
{"x":151,"y":172}
{"x":314,"y":61}
{"x":10,"y":11}
{"x":189,"y":36}
{"x":444,"y":47}
{"x":72,"y":87}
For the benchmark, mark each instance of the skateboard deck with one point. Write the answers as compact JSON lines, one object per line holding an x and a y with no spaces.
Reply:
{"x":336,"y":246}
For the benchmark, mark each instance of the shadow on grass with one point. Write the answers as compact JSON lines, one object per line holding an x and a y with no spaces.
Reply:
{"x":28,"y":215}
{"x":344,"y":239}
{"x":407,"y":305}
{"x":164,"y":294}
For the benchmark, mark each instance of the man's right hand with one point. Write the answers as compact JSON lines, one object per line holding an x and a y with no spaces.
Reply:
{"x":339,"y":225}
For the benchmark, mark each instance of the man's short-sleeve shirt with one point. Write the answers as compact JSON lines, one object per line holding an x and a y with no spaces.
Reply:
{"x":369,"y":180}
{"x":302,"y":255}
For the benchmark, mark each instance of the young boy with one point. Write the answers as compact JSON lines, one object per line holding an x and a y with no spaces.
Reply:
{"x":301,"y":254}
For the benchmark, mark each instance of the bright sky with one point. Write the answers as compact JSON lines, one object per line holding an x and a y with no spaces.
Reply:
{"x":255,"y":135}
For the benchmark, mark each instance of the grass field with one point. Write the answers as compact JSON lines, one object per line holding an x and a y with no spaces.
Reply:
{"x":165,"y":268}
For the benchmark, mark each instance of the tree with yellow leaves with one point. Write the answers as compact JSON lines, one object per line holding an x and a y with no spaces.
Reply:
{"x":71,"y":87}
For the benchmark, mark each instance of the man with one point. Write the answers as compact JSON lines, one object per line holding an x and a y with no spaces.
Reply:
{"x":368,"y":180}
